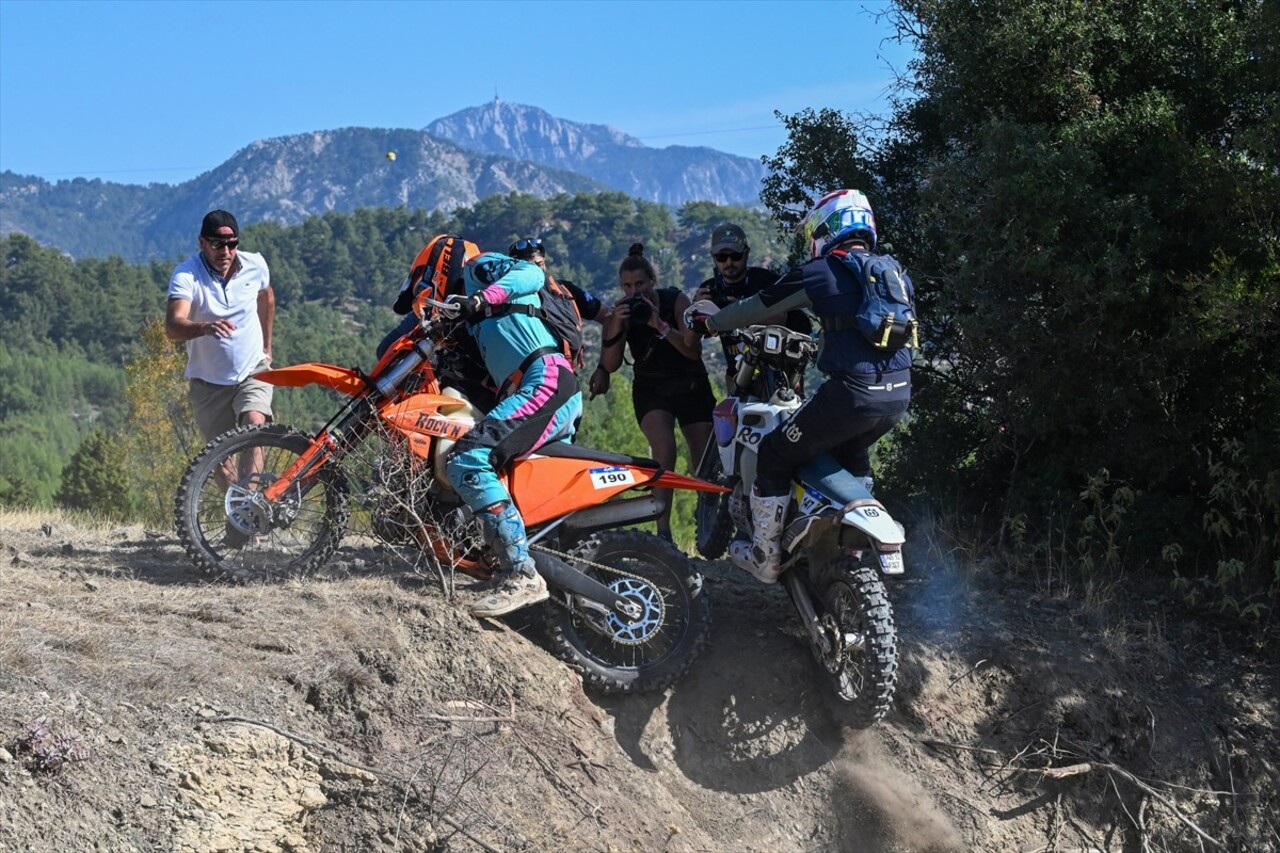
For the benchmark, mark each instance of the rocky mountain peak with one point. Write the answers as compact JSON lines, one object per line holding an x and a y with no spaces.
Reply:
{"x":528,"y":133}
{"x":671,"y":175}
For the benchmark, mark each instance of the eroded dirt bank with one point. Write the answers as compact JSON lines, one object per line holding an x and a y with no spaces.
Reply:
{"x":365,"y":712}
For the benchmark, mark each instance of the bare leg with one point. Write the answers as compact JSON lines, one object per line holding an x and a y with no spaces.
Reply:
{"x":697,"y":438}
{"x":659,"y":429}
{"x":253,"y":460}
{"x":249,"y":461}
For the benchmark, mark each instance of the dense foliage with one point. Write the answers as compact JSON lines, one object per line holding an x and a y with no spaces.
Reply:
{"x":1087,"y":194}
{"x":97,"y":478}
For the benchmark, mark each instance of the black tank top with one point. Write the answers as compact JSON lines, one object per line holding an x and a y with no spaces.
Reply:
{"x":654,"y":357}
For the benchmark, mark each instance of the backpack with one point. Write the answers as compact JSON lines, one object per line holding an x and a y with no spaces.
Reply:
{"x":886,"y":315}
{"x":560,"y":312}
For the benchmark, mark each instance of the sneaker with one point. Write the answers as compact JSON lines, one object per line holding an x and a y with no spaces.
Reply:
{"x":515,"y":591}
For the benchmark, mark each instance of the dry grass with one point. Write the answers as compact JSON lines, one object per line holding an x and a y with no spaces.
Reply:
{"x":64,"y":622}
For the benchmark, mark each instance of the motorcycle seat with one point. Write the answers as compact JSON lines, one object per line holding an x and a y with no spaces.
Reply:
{"x":824,"y":474}
{"x":574,"y":451}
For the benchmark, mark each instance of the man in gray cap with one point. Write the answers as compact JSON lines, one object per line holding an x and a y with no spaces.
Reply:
{"x":734,"y":280}
{"x":221,"y":303}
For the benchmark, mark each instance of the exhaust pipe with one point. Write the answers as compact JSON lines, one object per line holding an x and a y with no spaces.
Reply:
{"x":615,"y":513}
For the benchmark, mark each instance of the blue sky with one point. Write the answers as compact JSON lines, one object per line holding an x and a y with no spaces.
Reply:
{"x":136,"y":92}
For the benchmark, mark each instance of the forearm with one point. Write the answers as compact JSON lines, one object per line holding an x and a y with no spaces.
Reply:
{"x":185,"y":329}
{"x":267,"y":317}
{"x":690,"y":349}
{"x":757,"y":310}
{"x":611,"y":356}
{"x":178,"y":325}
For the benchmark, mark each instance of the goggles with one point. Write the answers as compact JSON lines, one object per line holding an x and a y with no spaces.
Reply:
{"x":525,"y":247}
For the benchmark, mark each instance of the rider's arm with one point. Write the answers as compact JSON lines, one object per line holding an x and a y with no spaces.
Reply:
{"x":775,"y":300}
{"x":523,"y":279}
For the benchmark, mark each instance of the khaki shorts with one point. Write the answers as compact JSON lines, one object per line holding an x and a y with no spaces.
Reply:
{"x":218,"y":408}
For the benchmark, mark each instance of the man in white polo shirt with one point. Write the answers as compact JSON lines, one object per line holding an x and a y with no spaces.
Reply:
{"x":222,"y":305}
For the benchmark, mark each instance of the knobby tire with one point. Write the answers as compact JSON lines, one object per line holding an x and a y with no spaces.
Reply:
{"x":611,"y":666}
{"x":295,"y":549}
{"x":861,"y":692}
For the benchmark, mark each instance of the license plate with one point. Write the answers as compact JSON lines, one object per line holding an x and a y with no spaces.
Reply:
{"x":891,"y":562}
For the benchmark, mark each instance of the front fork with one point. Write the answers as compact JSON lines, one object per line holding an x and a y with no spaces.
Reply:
{"x":825,"y":634}
{"x":352,"y":426}
{"x":808,"y":615}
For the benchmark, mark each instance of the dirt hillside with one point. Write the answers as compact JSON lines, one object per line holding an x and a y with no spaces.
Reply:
{"x":144,"y":708}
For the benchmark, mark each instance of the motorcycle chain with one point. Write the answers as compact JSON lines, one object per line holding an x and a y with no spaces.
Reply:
{"x":572,"y":558}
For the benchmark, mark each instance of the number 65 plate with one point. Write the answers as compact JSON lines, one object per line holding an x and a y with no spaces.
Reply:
{"x":611,"y":478}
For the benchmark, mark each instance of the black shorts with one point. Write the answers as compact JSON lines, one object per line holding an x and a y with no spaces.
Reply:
{"x":688,"y":398}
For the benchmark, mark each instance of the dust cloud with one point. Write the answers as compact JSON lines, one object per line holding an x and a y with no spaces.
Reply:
{"x":877,"y":808}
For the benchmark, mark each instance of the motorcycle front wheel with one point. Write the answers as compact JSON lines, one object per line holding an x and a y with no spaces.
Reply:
{"x":652,"y":652}
{"x":861,"y":668}
{"x":712,"y":519}
{"x":230,"y":530}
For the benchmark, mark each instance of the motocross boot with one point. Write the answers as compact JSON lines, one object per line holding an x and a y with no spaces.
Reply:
{"x":763,"y":554}
{"x":519,"y":584}
{"x":869,"y":483}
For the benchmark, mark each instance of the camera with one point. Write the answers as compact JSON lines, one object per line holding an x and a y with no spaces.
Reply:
{"x":641,"y":310}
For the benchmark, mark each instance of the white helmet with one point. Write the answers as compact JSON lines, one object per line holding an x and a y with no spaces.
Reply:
{"x":837,"y":217}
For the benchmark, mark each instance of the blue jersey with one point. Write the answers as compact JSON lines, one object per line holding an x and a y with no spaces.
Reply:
{"x":506,"y":341}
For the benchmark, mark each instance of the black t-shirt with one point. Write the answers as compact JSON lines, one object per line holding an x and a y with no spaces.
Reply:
{"x":722,"y":293}
{"x":756,"y":279}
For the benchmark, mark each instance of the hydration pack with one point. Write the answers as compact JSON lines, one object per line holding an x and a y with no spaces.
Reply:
{"x":559,"y":311}
{"x":886,"y":315}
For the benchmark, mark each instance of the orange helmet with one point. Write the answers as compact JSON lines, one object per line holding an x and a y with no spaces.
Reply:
{"x":437,"y":266}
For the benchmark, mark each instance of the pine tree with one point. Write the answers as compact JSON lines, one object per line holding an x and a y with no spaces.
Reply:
{"x":161,"y":435}
{"x":96,"y":479}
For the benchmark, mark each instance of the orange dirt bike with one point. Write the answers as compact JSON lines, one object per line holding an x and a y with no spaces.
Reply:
{"x":627,"y":608}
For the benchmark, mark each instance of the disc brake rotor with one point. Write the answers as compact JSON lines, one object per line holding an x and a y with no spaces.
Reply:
{"x":846,"y":646}
{"x":247,"y":509}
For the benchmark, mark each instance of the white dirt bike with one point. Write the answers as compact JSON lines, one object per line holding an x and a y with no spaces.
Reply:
{"x":838,"y":540}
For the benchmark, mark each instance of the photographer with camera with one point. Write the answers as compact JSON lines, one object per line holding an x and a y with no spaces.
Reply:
{"x":670,"y":384}
{"x":734,"y":280}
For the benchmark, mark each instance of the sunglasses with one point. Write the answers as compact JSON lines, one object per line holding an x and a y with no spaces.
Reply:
{"x":222,"y":244}
{"x":725,"y":257}
{"x":531,"y":245}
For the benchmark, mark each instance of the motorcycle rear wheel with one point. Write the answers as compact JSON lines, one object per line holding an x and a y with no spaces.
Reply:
{"x":860,"y":682}
{"x":653,"y":652}
{"x":713,"y":521}
{"x":228,"y":533}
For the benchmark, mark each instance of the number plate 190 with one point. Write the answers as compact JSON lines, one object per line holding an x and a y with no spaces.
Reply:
{"x":611,"y":478}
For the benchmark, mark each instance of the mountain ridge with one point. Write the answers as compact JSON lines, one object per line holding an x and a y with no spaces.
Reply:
{"x":671,"y":175}
{"x":495,"y":149}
